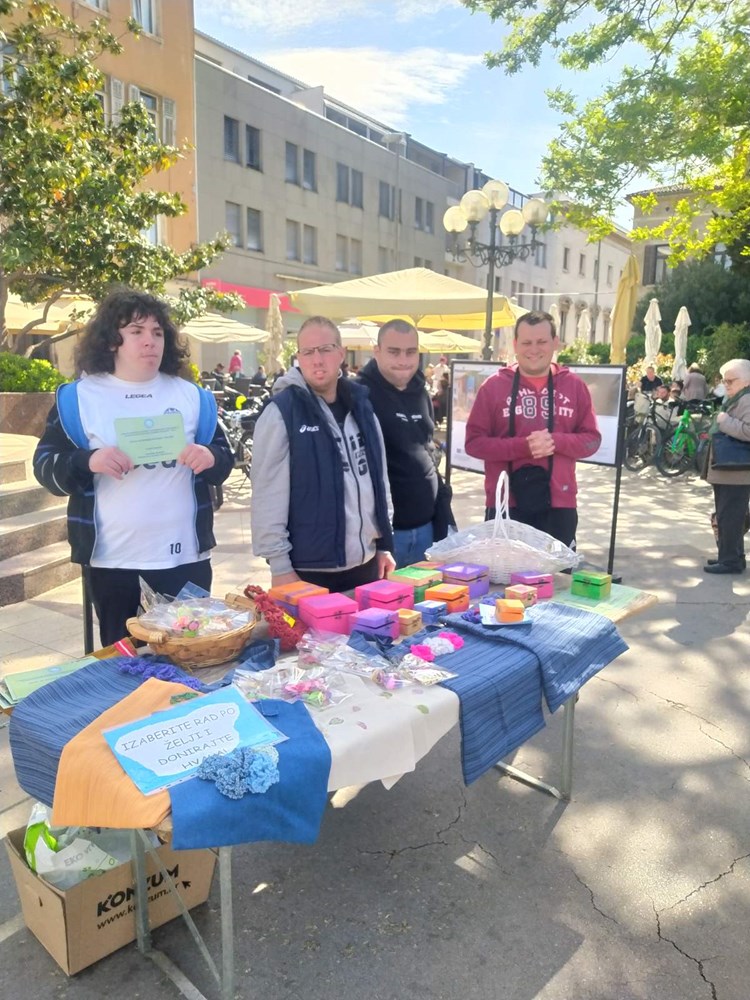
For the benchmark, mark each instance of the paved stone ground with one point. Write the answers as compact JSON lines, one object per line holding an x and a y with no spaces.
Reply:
{"x":638,"y":889}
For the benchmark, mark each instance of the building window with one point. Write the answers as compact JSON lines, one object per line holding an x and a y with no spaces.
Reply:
{"x":342,"y":183}
{"x":7,"y":70}
{"x":384,"y":260}
{"x":342,"y":253}
{"x":581,"y":265}
{"x":596,"y":270}
{"x":428,"y":264}
{"x":386,"y":200}
{"x":609,"y":274}
{"x":540,"y":255}
{"x":358,"y":189}
{"x":355,"y":263}
{"x":309,"y":181}
{"x":252,"y":147}
{"x":566,"y":259}
{"x":655,"y":263}
{"x":254,"y":230}
{"x":151,"y":235}
{"x":429,"y":217}
{"x":151,"y":104}
{"x":231,"y":139}
{"x":498,"y":284}
{"x":144,"y":12}
{"x":233,"y":222}
{"x":521,"y":290}
{"x":291,"y":169}
{"x":418,"y":213}
{"x":417,"y":261}
{"x":292,"y":240}
{"x":309,"y":245}
{"x":99,"y":4}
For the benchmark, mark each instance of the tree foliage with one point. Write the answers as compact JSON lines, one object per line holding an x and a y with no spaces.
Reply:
{"x":676,"y":115}
{"x":712,"y":295}
{"x":73,"y":207}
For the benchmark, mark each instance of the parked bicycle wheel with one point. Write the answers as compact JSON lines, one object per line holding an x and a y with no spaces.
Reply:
{"x":641,"y":446}
{"x":677,"y":453}
{"x":245,"y":453}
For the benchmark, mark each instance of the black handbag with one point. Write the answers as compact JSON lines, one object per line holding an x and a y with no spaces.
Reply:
{"x":443,"y":518}
{"x":531,"y":485}
{"x":728,"y":452}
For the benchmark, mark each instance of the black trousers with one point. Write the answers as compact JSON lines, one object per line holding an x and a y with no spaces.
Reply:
{"x":116,"y":593}
{"x":345,"y":579}
{"x":560,"y":522}
{"x":731,"y":508}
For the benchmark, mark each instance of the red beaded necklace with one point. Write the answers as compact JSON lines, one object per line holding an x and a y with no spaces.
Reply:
{"x":278,"y":627}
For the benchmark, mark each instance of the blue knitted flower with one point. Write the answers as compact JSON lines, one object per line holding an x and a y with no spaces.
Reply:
{"x":242,"y":771}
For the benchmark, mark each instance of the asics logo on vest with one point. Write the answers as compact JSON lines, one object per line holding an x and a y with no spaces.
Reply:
{"x":308,"y":428}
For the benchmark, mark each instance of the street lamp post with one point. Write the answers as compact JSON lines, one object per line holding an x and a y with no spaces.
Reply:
{"x":473,"y":208}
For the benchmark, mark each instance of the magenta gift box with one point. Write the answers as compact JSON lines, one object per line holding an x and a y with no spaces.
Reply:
{"x":544,"y":582}
{"x":388,"y":594}
{"x":328,"y":612}
{"x":471,"y":575}
{"x":377,"y":621}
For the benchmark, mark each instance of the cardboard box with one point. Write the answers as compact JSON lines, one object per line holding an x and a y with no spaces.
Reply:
{"x":78,"y":926}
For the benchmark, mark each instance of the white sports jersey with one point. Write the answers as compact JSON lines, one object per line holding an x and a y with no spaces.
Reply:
{"x":147,"y":519}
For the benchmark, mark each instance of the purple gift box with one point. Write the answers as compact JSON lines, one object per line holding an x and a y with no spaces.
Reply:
{"x":377,"y":621}
{"x":471,"y":575}
{"x":544,"y":582}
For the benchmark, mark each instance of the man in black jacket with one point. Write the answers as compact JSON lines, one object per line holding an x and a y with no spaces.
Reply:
{"x":404,"y":411}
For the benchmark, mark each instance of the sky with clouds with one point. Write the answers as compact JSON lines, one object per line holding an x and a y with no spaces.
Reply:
{"x":415,"y":65}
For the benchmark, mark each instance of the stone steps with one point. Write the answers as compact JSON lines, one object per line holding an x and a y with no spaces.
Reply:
{"x":32,"y":573}
{"x":32,"y":531}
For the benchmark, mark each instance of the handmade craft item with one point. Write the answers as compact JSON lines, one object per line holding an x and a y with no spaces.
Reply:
{"x":520,"y":592}
{"x":588,"y":584}
{"x":288,"y":595}
{"x":280,"y":626}
{"x":432,"y":612}
{"x":509,"y":610}
{"x":544,"y":583}
{"x":409,"y":621}
{"x":472,"y":575}
{"x":328,"y":612}
{"x":388,"y":594}
{"x":376,"y":621}
{"x":456,"y":596}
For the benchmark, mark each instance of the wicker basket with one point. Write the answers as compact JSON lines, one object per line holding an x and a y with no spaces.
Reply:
{"x":199,"y":651}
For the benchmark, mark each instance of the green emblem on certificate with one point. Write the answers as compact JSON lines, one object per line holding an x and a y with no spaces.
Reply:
{"x":147,"y":440}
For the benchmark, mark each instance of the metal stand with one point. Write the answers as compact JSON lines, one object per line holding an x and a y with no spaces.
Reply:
{"x":225,"y":979}
{"x":566,"y":760}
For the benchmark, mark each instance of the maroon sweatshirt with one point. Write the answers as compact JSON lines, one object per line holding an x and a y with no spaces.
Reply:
{"x":574,"y":429}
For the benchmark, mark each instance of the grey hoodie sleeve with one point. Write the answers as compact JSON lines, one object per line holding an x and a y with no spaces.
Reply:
{"x":269,"y":508}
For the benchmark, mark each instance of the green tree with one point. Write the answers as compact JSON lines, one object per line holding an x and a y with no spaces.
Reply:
{"x":73,"y":208}
{"x":676,"y":115}
{"x":712,"y":295}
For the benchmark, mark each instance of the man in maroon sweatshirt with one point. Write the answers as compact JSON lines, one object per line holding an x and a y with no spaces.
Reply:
{"x":536,"y":445}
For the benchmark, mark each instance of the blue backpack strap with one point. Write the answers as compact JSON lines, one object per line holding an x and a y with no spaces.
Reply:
{"x":70,"y":413}
{"x":207,"y":416}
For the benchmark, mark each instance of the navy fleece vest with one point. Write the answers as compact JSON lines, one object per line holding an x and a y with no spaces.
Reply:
{"x":317,"y":518}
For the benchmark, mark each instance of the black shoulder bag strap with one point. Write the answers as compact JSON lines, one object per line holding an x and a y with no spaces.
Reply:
{"x":550,"y":409}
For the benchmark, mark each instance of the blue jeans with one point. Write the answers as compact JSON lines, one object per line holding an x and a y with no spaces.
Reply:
{"x":410,"y":544}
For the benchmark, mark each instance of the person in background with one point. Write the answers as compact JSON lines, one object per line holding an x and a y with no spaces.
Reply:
{"x":127,"y":521}
{"x":320,"y":508}
{"x":402,"y":406}
{"x":695,"y":385}
{"x":650,"y":380}
{"x":509,"y":427}
{"x":440,"y":369}
{"x":219,"y":373}
{"x":440,"y":401}
{"x":675,"y":389}
{"x":731,"y":486}
{"x":235,"y":365}
{"x":259,"y":378}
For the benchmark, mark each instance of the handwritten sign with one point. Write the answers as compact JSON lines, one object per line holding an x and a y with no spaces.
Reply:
{"x":170,"y":746}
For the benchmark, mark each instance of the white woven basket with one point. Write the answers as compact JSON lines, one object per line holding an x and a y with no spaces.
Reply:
{"x":504,"y":545}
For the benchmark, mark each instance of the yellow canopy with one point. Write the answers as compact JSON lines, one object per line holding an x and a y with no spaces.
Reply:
{"x":215,"y":328}
{"x":447,"y":342}
{"x":18,"y":314}
{"x":624,"y":310}
{"x":423,"y":297}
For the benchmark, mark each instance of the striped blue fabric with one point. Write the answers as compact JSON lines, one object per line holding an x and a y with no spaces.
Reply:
{"x":504,"y":673}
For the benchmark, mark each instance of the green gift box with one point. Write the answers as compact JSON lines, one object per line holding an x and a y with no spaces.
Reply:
{"x":588,"y":584}
{"x":419,"y":579}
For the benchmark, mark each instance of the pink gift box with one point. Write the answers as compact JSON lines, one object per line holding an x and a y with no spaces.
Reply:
{"x":328,"y":612}
{"x":544,"y":582}
{"x":377,"y":621}
{"x":386,"y":594}
{"x":471,"y":575}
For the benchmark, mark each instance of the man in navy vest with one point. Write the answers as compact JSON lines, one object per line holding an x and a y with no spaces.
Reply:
{"x":321,"y":507}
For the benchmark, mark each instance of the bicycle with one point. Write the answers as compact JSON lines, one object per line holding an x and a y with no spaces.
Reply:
{"x":645,"y":436}
{"x":240,"y":441}
{"x":685,"y":447}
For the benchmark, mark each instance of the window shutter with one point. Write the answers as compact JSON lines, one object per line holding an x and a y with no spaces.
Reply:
{"x":649,"y":265}
{"x":116,"y":98}
{"x":168,"y":121}
{"x":134,"y":93}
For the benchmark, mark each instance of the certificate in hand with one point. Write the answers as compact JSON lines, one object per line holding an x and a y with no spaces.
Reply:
{"x":146,"y":440}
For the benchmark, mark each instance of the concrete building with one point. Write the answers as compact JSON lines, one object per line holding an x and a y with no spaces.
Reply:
{"x":157,"y":69}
